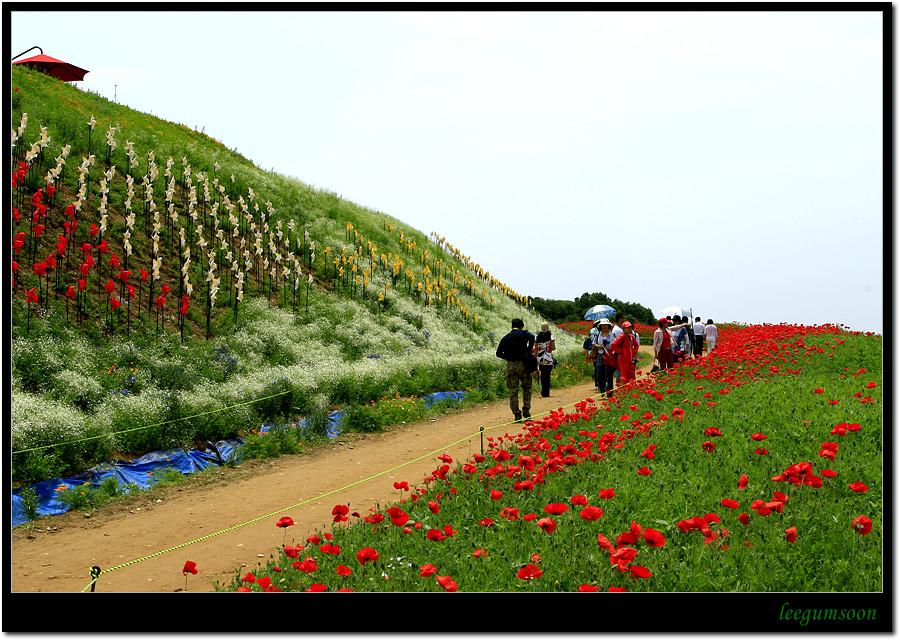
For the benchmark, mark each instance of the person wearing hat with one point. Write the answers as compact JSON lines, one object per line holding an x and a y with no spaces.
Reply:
{"x":544,"y":346}
{"x":625,"y":350}
{"x":662,"y":344}
{"x":603,"y":364}
{"x":513,"y":348}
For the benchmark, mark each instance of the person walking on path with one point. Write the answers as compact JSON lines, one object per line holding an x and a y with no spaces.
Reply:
{"x":682,"y":348}
{"x":698,"y":329}
{"x":513,"y":348}
{"x":603,"y":371}
{"x":545,"y":345}
{"x":710,"y":334}
{"x":625,"y":349}
{"x":662,"y":344}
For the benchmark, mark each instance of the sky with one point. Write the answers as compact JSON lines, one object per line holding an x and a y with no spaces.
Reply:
{"x":729,"y":162}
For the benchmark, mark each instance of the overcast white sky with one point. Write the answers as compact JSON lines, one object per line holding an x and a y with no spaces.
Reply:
{"x":731,"y":162}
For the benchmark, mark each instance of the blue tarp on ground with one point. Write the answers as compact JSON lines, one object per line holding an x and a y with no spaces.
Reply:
{"x":138,"y":470}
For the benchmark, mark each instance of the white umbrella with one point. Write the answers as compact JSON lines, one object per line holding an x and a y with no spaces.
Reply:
{"x":675,"y":310}
{"x":599,"y":311}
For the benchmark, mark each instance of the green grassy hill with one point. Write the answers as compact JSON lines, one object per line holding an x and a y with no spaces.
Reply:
{"x":320,"y":300}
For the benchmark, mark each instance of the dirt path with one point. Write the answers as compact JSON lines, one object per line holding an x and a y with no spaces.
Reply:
{"x":56,"y":553}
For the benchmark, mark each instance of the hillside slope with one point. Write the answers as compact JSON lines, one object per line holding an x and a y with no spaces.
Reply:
{"x":272,"y":287}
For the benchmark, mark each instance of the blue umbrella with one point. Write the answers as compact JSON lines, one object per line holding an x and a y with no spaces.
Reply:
{"x":599,"y":311}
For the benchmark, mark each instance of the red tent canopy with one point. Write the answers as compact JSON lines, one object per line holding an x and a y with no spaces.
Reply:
{"x":53,"y":67}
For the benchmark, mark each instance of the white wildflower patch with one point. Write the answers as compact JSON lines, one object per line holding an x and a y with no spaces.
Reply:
{"x":39,"y":420}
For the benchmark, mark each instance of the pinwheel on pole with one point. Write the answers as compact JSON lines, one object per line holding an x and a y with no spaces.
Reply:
{"x":183,"y":311}
{"x":31,"y":296}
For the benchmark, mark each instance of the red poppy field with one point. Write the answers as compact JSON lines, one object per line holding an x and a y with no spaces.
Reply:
{"x":756,"y":468}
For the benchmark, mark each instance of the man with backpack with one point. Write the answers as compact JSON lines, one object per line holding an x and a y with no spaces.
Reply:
{"x":515,"y":347}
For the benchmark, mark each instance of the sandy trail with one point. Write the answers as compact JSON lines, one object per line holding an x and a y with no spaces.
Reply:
{"x":55,"y":554}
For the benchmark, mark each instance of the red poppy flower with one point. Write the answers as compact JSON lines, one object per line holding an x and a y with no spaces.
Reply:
{"x":402,"y":485}
{"x":330,"y":549}
{"x":366,"y":554}
{"x":285,"y":522}
{"x":307,"y":566}
{"x":591,"y":514}
{"x":435,"y":534}
{"x":708,"y":446}
{"x":448,"y":531}
{"x":744,"y":518}
{"x":510,"y":513}
{"x":604,"y":543}
{"x":828,"y":473}
{"x":712,"y":431}
{"x":791,"y":535}
{"x":316,"y":588}
{"x":249,"y":578}
{"x":588,"y":588}
{"x":762,"y":452}
{"x":496,"y":495}
{"x":758,"y":436}
{"x":189,"y":567}
{"x":615,"y":589}
{"x":579,"y":500}
{"x":731,"y":504}
{"x":292,"y":552}
{"x":547,"y":524}
{"x":819,"y":390}
{"x":742,"y":482}
{"x":871,"y":385}
{"x":858,"y":487}
{"x":343,"y":570}
{"x":427,"y":570}
{"x":862,"y":525}
{"x":398,"y":516}
{"x":644,"y":471}
{"x":529,"y":572}
{"x":447,"y":583}
{"x":640,"y":572}
{"x":556,"y":508}
{"x":264,"y":583}
{"x":605,"y":494}
{"x":486,"y":522}
{"x":434,"y":507}
{"x":654,"y":538}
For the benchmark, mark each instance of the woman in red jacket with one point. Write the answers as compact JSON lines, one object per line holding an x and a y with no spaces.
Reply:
{"x":625,"y":348}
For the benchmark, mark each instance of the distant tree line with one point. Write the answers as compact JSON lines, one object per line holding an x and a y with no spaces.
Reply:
{"x":561,"y":311}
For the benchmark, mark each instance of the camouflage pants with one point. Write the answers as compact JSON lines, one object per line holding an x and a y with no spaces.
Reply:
{"x":516,"y":374}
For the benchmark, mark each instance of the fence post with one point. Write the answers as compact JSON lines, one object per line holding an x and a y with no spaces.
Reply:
{"x":95,"y":573}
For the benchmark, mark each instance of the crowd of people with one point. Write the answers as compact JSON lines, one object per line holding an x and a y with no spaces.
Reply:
{"x":614,"y":346}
